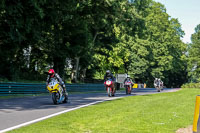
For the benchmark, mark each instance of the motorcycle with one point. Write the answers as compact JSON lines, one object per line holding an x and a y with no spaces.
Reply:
{"x":157,"y":86}
{"x":109,"y":89}
{"x":161,"y":86}
{"x":57,"y":93}
{"x":128,"y":86}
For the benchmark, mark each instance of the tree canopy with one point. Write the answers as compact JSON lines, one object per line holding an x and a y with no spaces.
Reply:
{"x":83,"y":38}
{"x":194,"y":56}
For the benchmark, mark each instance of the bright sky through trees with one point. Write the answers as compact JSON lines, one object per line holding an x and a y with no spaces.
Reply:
{"x":187,"y":12}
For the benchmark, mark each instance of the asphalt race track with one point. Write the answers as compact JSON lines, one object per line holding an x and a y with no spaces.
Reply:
{"x":15,"y":112}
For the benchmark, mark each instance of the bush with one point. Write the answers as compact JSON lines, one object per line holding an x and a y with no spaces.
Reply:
{"x":2,"y":79}
{"x":191,"y":85}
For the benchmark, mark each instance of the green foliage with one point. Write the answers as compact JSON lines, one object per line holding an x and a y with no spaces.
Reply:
{"x":136,"y":37}
{"x":194,"y":57}
{"x":191,"y":85}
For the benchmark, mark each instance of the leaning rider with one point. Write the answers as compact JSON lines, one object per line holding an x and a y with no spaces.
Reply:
{"x":52,"y":74}
{"x":156,"y":82}
{"x":161,"y":84}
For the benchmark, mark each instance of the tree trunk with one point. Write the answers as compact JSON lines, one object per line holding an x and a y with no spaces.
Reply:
{"x":77,"y":69}
{"x":95,"y":36}
{"x":59,"y":65}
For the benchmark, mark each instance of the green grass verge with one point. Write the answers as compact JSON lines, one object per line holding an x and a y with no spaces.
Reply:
{"x":157,"y":113}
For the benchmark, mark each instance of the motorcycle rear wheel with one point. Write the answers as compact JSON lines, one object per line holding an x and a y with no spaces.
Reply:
{"x":66,"y":98}
{"x":129,"y":90}
{"x":113,"y":93}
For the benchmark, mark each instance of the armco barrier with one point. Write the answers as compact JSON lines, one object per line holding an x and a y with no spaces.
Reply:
{"x":30,"y":88}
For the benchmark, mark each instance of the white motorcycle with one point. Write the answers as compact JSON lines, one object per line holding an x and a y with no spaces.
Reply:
{"x":157,"y":86}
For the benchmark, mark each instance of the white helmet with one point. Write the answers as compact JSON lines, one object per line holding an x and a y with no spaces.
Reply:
{"x":108,"y":71}
{"x":128,"y":76}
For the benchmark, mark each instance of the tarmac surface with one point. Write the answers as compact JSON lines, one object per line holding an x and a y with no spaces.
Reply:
{"x":14,"y":112}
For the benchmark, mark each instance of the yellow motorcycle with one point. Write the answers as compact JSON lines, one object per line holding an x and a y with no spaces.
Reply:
{"x":57,"y":92}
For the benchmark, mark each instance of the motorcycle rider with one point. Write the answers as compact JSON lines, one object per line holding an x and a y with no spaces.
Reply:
{"x":161,"y":84}
{"x":128,"y":79}
{"x":52,"y":74}
{"x":156,"y":82}
{"x":108,"y":76}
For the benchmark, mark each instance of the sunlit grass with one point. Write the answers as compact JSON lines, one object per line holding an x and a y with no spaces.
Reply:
{"x":156,"y":113}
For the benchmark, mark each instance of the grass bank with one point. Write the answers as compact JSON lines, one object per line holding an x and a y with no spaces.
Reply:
{"x":157,"y":113}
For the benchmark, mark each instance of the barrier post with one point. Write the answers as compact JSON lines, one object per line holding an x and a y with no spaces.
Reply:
{"x":196,"y":121}
{"x":145,"y":85}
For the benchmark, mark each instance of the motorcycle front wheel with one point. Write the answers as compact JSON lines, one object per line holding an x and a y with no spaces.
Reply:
{"x":126,"y":90}
{"x":129,"y":90}
{"x":55,"y":97}
{"x":158,"y":89}
{"x":109,"y":91}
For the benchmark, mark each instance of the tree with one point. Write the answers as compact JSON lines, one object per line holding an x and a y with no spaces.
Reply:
{"x":194,"y":57}
{"x":20,"y":24}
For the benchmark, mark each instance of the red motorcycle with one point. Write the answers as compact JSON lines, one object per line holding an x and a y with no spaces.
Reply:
{"x":109,"y":88}
{"x":128,"y":86}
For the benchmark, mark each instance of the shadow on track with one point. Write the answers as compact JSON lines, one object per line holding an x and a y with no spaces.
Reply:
{"x":45,"y":102}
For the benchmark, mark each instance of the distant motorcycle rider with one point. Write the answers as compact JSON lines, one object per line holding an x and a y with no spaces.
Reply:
{"x":156,"y":82}
{"x":128,"y":83}
{"x":128,"y":79}
{"x":52,"y":74}
{"x":108,"y":76}
{"x":161,"y":84}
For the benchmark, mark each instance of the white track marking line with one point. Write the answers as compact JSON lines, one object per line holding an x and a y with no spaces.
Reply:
{"x":55,"y":114}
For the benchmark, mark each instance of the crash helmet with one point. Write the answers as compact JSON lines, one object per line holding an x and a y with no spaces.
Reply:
{"x":107,"y":71}
{"x":51,"y":72}
{"x":128,"y":76}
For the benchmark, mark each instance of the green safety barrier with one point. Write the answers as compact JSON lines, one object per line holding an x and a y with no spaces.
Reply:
{"x":30,"y":88}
